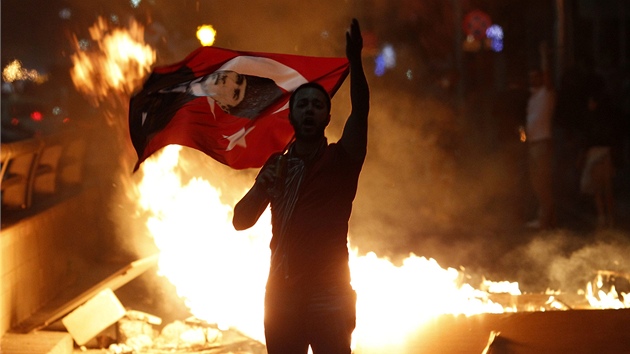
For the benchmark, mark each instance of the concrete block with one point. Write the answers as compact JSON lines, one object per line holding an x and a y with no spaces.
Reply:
{"x":44,"y":342}
{"x":91,"y":318}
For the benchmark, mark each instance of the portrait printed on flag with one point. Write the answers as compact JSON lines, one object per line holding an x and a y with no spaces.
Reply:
{"x":236,"y":94}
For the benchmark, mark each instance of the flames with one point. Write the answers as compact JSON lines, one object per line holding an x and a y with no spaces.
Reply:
{"x":117,"y":65}
{"x":221,"y":273}
{"x":599,"y":297}
{"x":107,"y":70}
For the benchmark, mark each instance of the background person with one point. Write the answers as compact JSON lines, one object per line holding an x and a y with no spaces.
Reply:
{"x":538,"y":128}
{"x":598,"y":169}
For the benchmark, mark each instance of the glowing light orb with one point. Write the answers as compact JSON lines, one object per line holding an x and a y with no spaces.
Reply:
{"x":495,"y":34}
{"x":206,"y":35}
{"x":386,"y":59}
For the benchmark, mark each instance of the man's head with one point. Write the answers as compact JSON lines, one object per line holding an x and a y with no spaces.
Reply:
{"x":309,"y":111}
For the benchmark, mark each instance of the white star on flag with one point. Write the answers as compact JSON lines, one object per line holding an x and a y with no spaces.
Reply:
{"x":238,"y":138}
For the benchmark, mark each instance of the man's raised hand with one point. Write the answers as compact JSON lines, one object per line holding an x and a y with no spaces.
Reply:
{"x":354,"y":41}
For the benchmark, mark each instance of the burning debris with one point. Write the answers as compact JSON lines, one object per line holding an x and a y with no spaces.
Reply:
{"x":609,"y":289}
{"x":103,"y":322}
{"x":97,"y":319}
{"x":137,"y":334}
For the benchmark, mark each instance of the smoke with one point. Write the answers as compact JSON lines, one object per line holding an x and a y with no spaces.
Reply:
{"x":434,"y":183}
{"x":289,"y":27}
{"x":417,"y":192}
{"x":563,"y":260}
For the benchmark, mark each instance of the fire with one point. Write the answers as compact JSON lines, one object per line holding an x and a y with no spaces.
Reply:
{"x":598,"y":297}
{"x":393,"y":302}
{"x":108,"y":72}
{"x":221,"y":273}
{"x":118,"y":64}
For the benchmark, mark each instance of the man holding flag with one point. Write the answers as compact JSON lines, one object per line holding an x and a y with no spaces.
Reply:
{"x":311,"y":187}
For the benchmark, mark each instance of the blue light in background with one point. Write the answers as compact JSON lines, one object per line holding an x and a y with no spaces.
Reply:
{"x":386,"y":59}
{"x":495,"y":34}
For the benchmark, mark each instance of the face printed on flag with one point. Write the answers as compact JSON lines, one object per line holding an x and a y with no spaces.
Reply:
{"x":231,"y":105}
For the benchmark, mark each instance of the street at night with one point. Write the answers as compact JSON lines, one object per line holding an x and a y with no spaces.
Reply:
{"x":448,"y":185}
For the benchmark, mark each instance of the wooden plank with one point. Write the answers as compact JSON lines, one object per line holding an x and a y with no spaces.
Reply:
{"x":94,"y":282}
{"x":94,"y":316}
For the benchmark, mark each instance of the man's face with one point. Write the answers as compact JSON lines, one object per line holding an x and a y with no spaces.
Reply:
{"x":309,"y":114}
{"x":227,"y":88}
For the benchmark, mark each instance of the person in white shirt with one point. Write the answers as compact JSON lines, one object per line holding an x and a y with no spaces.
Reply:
{"x":540,"y":112}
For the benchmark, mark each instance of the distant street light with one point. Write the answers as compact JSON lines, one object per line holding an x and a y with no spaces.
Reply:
{"x":206,"y":35}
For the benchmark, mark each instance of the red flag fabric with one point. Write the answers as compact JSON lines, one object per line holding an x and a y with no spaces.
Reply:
{"x":231,"y":105}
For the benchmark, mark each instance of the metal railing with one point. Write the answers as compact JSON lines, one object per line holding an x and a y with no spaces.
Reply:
{"x":40,"y":166}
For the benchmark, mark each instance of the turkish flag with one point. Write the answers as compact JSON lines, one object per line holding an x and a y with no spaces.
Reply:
{"x":231,"y":105}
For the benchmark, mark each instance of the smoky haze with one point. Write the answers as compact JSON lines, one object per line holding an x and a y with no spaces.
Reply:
{"x":410,"y":195}
{"x":434,"y":182}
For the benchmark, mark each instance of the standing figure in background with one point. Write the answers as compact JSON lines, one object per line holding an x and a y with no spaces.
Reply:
{"x":509,"y":110}
{"x":598,"y":168}
{"x":538,"y":128}
{"x":311,"y":187}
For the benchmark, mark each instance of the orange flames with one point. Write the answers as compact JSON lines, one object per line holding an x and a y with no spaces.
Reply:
{"x":218,"y":271}
{"x":221,"y":273}
{"x":598,"y":297}
{"x":117,"y":65}
{"x":108,"y":71}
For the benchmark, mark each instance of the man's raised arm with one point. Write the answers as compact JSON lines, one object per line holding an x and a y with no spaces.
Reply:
{"x":354,"y":137}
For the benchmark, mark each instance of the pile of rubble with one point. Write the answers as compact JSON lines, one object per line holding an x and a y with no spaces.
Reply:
{"x":103,"y":323}
{"x":136,"y":333}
